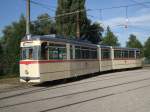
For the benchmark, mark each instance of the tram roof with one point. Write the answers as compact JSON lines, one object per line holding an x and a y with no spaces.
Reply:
{"x":125,"y":48}
{"x":59,"y":39}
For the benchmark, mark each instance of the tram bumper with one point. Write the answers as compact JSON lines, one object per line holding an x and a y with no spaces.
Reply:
{"x":30,"y":79}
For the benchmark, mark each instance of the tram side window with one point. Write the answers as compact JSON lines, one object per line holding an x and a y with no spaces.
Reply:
{"x":138,"y":55}
{"x":131,"y":54}
{"x":77,"y":52}
{"x":93,"y":53}
{"x":117,"y":54}
{"x":85,"y":53}
{"x":105,"y":54}
{"x":125,"y":53}
{"x":57,"y":51}
{"x":44,"y":51}
{"x":71,"y":52}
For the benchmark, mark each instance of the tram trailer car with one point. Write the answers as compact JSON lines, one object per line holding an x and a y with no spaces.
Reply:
{"x":46,"y":58}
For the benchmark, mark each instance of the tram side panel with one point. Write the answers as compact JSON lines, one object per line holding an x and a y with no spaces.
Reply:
{"x":121,"y":63}
{"x":105,"y":61}
{"x":82,"y":63}
{"x":123,"y":59}
{"x":82,"y":67}
{"x":54,"y":70}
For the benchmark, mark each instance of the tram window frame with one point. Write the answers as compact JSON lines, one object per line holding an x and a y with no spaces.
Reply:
{"x":78,"y":52}
{"x":125,"y":54}
{"x":44,"y":51}
{"x":131,"y":54}
{"x":138,"y":54}
{"x":117,"y":54}
{"x":93,"y":53}
{"x":84,"y":52}
{"x":30,"y":53}
{"x":105,"y":53}
{"x":57,"y":51}
{"x":71,"y":52}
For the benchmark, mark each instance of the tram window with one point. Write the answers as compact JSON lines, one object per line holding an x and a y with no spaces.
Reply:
{"x":71,"y":52}
{"x":92,"y":53}
{"x":105,"y":54}
{"x":57,"y":51}
{"x":125,"y":54}
{"x":44,"y":51}
{"x":84,"y":52}
{"x":138,"y":55}
{"x":30,"y":53}
{"x":131,"y":54}
{"x":117,"y":54}
{"x":77,"y":52}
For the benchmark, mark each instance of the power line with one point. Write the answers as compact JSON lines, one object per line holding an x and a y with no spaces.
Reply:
{"x":142,"y":4}
{"x":121,"y":6}
{"x":42,"y":5}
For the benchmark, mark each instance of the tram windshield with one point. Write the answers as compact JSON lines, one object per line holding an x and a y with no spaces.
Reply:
{"x":29,"y":53}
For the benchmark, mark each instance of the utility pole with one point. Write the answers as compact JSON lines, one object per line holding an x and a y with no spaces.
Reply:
{"x":28,"y":19}
{"x":78,"y":25}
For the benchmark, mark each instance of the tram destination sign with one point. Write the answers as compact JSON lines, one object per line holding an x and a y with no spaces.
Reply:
{"x":27,"y":44}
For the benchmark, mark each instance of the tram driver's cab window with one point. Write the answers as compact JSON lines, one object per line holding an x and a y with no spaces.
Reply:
{"x":29,"y":53}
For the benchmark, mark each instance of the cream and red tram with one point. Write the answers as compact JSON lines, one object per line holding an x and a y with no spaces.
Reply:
{"x":46,"y":58}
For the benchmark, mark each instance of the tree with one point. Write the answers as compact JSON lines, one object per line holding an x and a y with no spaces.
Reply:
{"x":12,"y":35}
{"x":43,"y":25}
{"x":1,"y":56}
{"x":134,"y":42}
{"x":110,"y":39}
{"x":93,"y":33}
{"x":67,"y":25}
{"x":147,"y":49}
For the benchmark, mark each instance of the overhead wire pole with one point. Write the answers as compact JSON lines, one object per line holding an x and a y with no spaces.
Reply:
{"x":127,"y":19}
{"x":28,"y":19}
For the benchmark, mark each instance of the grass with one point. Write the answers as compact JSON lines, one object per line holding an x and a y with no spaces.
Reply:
{"x":5,"y":76}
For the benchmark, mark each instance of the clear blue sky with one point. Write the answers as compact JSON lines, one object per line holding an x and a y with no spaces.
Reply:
{"x":138,"y":16}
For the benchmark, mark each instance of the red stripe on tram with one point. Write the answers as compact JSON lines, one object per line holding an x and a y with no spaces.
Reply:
{"x":53,"y":61}
{"x":39,"y":62}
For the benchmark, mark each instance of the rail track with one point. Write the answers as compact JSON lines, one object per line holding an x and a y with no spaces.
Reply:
{"x":139,"y":83}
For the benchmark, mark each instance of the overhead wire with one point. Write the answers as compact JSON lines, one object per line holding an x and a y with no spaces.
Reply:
{"x":82,"y":10}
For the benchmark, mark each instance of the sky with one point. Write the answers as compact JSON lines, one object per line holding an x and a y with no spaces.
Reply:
{"x":137,"y":17}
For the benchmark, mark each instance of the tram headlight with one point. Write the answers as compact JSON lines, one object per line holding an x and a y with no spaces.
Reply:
{"x":26,"y":72}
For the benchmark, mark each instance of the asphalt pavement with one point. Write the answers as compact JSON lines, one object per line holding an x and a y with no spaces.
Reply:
{"x":126,"y":91}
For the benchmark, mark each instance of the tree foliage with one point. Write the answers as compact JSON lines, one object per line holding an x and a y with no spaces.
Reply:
{"x":134,"y":42}
{"x":147,"y":49}
{"x":67,"y":25}
{"x":43,"y":25}
{"x":110,"y":39}
{"x":12,"y":35}
{"x":93,"y":33}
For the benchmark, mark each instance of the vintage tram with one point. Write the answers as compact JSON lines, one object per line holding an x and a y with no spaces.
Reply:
{"x":50,"y":57}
